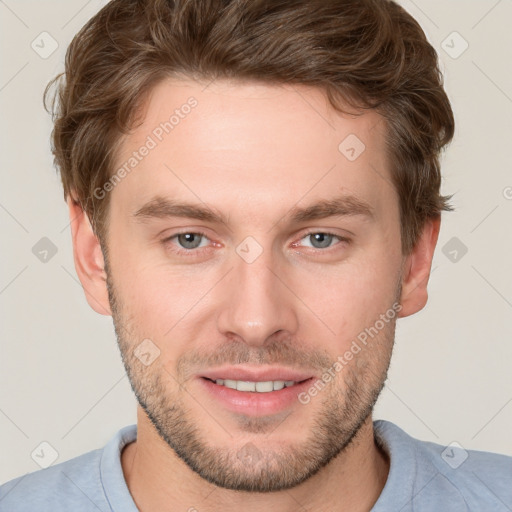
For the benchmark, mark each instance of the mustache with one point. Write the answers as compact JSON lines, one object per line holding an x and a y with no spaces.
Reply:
{"x":282,"y":352}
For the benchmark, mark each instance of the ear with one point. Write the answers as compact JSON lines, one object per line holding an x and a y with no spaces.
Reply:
{"x":89,"y":262}
{"x":416,"y":269}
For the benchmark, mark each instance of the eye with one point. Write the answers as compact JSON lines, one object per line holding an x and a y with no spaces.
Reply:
{"x":193,"y":243}
{"x":323,"y":240}
{"x":186,"y":241}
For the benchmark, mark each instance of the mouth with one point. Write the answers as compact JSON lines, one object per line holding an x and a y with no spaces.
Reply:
{"x":248,"y":386}
{"x":254,"y":391}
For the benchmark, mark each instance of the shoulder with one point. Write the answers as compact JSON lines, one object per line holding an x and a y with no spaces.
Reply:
{"x":87,"y":482}
{"x":483,"y":477}
{"x":467,"y":479}
{"x":57,"y":487}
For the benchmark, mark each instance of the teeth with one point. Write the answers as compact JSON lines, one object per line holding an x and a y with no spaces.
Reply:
{"x":264,"y":387}
{"x":278,"y":384}
{"x":245,"y":386}
{"x":230,"y":384}
{"x":259,"y":387}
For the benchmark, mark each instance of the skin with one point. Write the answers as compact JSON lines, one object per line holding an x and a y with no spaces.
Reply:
{"x":253,"y":152}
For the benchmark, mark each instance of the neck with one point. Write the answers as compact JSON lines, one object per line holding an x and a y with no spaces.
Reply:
{"x":159,"y":480}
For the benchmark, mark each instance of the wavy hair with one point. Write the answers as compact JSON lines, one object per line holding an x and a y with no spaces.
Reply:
{"x":368,"y":54}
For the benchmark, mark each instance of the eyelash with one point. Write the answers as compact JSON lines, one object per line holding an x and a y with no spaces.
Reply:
{"x":198,"y":252}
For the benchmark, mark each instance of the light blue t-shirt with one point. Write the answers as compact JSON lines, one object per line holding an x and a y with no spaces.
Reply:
{"x":423,"y":477}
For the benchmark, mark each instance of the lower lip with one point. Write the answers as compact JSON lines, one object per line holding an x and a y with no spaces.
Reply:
{"x":254,"y":403}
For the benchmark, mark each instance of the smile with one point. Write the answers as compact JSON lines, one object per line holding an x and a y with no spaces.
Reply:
{"x":255,"y":386}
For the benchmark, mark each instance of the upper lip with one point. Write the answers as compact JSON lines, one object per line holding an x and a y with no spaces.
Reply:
{"x":256,"y":374}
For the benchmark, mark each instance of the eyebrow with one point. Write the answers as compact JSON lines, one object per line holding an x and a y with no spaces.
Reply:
{"x":341,"y":206}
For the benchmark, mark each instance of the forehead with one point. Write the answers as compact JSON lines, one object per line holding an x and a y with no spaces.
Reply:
{"x":249,"y":145}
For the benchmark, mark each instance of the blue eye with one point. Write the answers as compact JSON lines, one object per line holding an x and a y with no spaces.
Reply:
{"x":186,"y":242}
{"x":189,"y":240}
{"x":194,"y":243}
{"x":322,"y":239}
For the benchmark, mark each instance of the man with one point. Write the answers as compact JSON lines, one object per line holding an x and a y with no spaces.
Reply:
{"x":254,"y":190}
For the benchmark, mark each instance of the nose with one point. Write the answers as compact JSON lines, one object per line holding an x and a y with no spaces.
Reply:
{"x":257,"y":303}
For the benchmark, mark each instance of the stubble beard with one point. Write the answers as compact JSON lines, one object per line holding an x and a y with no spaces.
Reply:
{"x":254,"y":466}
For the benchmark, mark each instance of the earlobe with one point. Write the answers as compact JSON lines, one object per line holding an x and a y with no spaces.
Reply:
{"x":416,"y":271}
{"x":88,"y":258}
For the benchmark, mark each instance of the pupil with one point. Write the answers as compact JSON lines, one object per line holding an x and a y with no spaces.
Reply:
{"x":323,"y":238}
{"x":188,"y":240}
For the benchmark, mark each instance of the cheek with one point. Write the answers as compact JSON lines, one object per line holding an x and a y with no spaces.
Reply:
{"x":155,"y":294}
{"x":162,"y":302}
{"x":160,"y":307}
{"x":351,"y":297}
{"x":166,"y":301}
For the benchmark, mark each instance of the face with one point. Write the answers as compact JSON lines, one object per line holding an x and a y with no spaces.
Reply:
{"x":248,"y":255}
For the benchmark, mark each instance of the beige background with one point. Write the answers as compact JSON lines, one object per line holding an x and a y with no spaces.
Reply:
{"x":61,"y":377}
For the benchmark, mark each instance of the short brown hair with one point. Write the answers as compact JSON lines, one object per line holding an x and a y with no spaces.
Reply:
{"x":366,"y":53}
